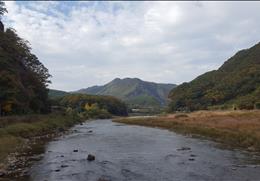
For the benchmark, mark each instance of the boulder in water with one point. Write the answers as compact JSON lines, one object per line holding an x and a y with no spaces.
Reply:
{"x":184,"y":149}
{"x":64,"y":166}
{"x":91,"y":157}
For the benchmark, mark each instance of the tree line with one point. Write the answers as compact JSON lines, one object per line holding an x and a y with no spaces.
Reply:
{"x":236,"y":84}
{"x":24,"y":83}
{"x":23,"y":78}
{"x":93,"y":105}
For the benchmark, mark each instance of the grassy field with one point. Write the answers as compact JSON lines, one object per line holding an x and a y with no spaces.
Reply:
{"x":17,"y":131}
{"x":240,"y":129}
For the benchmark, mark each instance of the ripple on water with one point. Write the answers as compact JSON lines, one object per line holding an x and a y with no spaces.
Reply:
{"x":137,"y":153}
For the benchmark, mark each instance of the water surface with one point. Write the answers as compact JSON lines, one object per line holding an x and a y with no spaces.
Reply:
{"x":125,"y":153}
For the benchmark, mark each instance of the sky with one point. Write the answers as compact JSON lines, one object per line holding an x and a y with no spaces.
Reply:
{"x":91,"y":43}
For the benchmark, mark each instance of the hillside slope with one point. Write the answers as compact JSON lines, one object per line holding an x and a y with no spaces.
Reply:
{"x":133,"y":91}
{"x":53,"y":93}
{"x":235,"y":83}
{"x":23,"y":78}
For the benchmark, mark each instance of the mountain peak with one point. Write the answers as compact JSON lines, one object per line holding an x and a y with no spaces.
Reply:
{"x":116,"y":79}
{"x":126,"y":79}
{"x":134,"y":91}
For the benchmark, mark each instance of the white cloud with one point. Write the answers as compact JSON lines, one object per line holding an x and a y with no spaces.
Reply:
{"x":88,"y":43}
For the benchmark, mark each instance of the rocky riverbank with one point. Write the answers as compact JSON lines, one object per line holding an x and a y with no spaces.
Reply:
{"x":22,"y":143}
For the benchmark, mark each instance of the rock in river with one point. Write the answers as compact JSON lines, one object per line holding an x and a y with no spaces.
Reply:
{"x":2,"y":173}
{"x":91,"y":157}
{"x":184,"y":149}
{"x":64,"y":166}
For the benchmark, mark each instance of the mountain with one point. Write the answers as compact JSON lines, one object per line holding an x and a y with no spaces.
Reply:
{"x":133,"y":91}
{"x":235,"y":84}
{"x":57,"y":93}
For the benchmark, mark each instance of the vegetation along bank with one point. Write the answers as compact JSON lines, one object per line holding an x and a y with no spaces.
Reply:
{"x":238,"y":129}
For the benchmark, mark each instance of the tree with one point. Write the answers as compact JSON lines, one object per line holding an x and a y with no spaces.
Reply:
{"x":93,"y":103}
{"x":3,"y":10}
{"x":23,"y":78}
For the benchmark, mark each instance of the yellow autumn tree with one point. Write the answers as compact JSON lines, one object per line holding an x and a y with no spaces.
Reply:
{"x":91,"y":107}
{"x":7,"y":107}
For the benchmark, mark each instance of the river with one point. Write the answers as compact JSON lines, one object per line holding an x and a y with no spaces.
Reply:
{"x":125,"y":152}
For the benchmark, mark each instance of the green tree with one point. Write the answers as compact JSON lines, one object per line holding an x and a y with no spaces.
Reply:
{"x":83,"y":102}
{"x":23,"y":78}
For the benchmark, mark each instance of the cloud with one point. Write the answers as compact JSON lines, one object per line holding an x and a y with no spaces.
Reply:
{"x":88,"y":43}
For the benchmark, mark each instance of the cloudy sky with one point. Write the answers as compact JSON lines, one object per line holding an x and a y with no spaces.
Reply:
{"x":90,"y":43}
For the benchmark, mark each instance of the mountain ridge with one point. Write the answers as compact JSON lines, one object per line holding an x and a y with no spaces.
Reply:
{"x":234,"y":84}
{"x":134,"y":91}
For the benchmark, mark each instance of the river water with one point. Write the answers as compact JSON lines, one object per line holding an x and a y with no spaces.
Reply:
{"x":136,"y":153}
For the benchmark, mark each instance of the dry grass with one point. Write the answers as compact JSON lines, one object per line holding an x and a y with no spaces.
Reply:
{"x":15,"y":130}
{"x":234,"y":128}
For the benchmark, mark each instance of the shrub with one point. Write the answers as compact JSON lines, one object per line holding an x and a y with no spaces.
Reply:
{"x":257,"y":105}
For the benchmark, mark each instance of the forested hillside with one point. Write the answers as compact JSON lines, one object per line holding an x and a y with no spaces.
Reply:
{"x":23,"y":78}
{"x":235,"y":84}
{"x":133,"y":91}
{"x":57,"y":93}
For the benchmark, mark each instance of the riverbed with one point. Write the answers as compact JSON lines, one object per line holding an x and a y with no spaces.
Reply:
{"x":126,"y":152}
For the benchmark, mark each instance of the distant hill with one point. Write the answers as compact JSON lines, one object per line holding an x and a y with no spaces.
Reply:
{"x":236,"y":83}
{"x":57,"y":93}
{"x":133,"y":91}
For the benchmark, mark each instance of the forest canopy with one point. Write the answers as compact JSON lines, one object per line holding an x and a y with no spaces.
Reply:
{"x":83,"y":102}
{"x":23,"y":78}
{"x":235,"y":84}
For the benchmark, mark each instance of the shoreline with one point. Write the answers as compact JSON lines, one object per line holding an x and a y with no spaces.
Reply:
{"x":28,"y":145}
{"x":234,"y":129}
